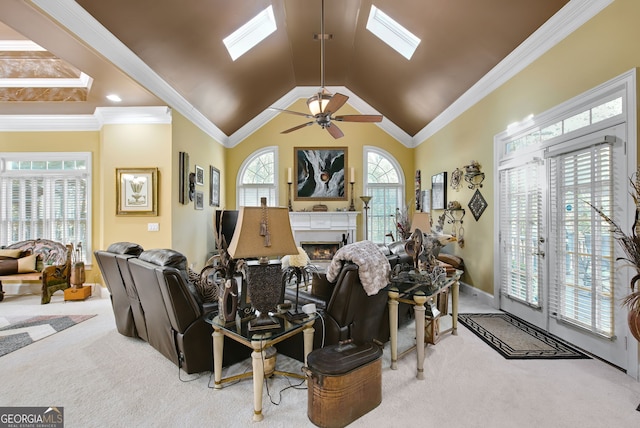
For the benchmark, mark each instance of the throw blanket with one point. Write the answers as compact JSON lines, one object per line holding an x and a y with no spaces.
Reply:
{"x":373,"y":266}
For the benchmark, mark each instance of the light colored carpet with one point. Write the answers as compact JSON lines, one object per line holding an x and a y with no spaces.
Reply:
{"x":103,"y":379}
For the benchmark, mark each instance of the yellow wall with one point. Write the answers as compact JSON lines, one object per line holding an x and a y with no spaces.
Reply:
{"x":135,"y":146}
{"x":601,"y":49}
{"x":192,"y":230}
{"x":356,"y":136}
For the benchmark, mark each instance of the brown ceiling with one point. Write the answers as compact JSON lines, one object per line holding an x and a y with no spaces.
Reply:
{"x":182,"y":42}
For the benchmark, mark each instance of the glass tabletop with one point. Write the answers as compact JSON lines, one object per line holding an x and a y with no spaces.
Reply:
{"x":409,"y":286}
{"x":240,"y":327}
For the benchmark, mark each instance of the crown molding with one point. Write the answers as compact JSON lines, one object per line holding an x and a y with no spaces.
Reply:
{"x":304,"y":92}
{"x":572,"y":16}
{"x":86,"y":122}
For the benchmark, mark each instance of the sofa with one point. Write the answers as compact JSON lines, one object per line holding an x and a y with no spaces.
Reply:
{"x":173,"y":313}
{"x":43,"y":260}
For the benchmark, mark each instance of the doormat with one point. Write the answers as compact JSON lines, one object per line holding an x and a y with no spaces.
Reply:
{"x":19,"y":331}
{"x":516,"y":339}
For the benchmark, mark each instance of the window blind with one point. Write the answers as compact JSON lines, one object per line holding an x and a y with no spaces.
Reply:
{"x":48,"y":206}
{"x":520,"y":214}
{"x":582,"y":275}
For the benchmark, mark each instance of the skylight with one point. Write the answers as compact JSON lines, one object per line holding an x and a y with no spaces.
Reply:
{"x":251,"y":33}
{"x":392,"y":33}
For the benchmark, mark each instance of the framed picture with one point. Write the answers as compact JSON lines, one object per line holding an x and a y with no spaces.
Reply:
{"x":320,"y":173}
{"x":198,"y":200}
{"x":137,"y":191}
{"x":183,"y":178}
{"x":214,"y":186}
{"x":439,"y":191}
{"x":199,"y":175}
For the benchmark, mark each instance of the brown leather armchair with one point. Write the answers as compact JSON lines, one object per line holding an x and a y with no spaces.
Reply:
{"x":124,"y":297}
{"x":347,"y":312}
{"x":174,"y":313}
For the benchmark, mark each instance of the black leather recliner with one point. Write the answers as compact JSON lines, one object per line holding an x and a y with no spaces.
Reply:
{"x":124,"y":297}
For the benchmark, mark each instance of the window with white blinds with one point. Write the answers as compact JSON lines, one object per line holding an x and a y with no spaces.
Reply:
{"x":46,"y":195}
{"x":257,"y":179}
{"x":385,"y":185}
{"x":520,"y":216}
{"x":582,"y":278}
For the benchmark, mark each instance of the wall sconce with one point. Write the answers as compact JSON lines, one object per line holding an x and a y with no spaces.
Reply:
{"x":454,"y":215}
{"x":473,"y":176}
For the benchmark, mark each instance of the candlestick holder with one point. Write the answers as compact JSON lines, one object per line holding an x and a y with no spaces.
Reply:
{"x":290,"y":206}
{"x":352,"y":207}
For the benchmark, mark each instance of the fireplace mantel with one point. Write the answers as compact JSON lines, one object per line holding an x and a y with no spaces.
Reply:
{"x":328,"y":226}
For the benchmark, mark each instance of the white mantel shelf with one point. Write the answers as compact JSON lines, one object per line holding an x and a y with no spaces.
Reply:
{"x":325,"y":226}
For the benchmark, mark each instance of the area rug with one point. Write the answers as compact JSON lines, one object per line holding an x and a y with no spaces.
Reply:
{"x":514,"y":338}
{"x":19,"y":331}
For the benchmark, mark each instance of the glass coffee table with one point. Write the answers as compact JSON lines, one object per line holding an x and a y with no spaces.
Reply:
{"x":259,"y":341}
{"x":408,"y":292}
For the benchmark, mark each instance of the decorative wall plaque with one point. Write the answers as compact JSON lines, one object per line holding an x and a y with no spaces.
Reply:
{"x":477,"y":204}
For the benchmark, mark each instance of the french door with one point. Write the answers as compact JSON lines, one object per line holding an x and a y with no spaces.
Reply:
{"x":557,"y":256}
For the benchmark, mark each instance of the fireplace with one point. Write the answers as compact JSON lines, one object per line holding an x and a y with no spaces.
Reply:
{"x":320,"y":251}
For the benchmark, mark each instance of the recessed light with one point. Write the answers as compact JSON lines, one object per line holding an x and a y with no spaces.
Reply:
{"x":114,"y":98}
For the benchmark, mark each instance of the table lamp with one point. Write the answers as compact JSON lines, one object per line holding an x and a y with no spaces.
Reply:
{"x":421,"y":221}
{"x":263,"y":232}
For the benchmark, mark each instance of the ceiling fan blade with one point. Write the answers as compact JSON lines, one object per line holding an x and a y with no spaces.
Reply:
{"x":307,"y":115}
{"x":334,"y":131}
{"x":295,"y":128}
{"x":359,"y":118}
{"x":336,"y":101}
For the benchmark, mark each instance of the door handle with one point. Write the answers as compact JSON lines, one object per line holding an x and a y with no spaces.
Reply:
{"x":539,"y":253}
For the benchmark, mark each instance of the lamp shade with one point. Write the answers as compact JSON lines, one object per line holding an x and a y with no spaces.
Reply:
{"x":421,"y":221}
{"x":318,"y":102}
{"x":247,"y":240}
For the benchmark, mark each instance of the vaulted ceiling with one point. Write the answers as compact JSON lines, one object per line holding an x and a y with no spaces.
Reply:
{"x":152,"y":52}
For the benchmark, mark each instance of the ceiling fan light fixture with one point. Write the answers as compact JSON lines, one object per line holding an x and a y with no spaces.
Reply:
{"x":318,"y":102}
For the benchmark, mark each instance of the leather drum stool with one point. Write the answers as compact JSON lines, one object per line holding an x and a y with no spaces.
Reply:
{"x":345,"y":383}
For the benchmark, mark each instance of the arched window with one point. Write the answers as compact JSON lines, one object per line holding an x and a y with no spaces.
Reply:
{"x":258,"y":178}
{"x":385,"y":183}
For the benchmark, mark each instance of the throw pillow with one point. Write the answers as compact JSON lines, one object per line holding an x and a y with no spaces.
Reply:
{"x":27,"y":264}
{"x":12,"y":266}
{"x":8,"y":266}
{"x":14,"y":254}
{"x":208,"y":292}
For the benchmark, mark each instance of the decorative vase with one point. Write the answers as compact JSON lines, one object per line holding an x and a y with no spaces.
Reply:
{"x":634,"y":323}
{"x":77,"y":275}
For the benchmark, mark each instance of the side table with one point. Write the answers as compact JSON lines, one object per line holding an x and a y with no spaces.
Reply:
{"x":259,"y":342}
{"x":419,"y":294}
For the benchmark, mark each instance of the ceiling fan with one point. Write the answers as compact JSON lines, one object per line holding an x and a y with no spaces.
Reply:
{"x":323,"y":104}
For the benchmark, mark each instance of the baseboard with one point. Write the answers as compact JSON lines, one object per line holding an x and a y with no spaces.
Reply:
{"x":480,"y":296}
{"x":24,"y":288}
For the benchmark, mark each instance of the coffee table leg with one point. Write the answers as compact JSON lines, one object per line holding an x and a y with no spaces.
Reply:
{"x":308,"y":340}
{"x":455,"y":294}
{"x":393,"y":327}
{"x":218,"y":345}
{"x":419,"y":314}
{"x":258,"y":378}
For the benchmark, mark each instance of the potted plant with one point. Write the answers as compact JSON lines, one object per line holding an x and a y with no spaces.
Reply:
{"x":630,"y":244}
